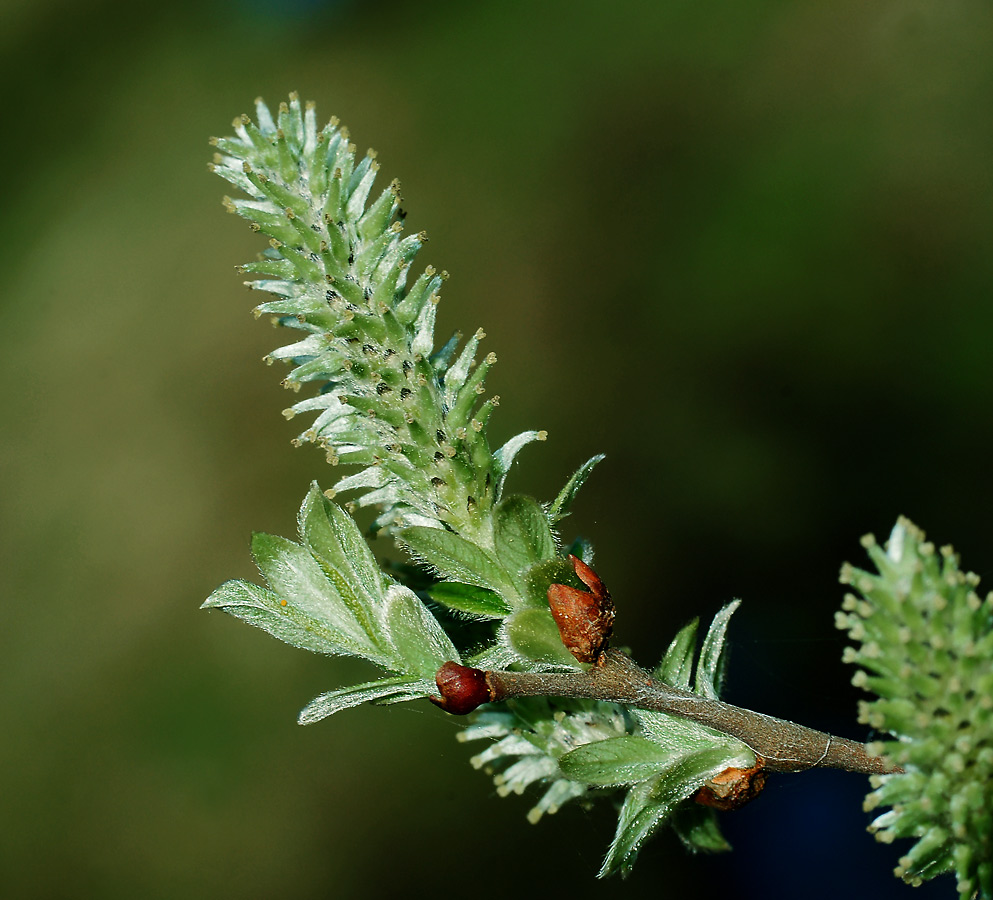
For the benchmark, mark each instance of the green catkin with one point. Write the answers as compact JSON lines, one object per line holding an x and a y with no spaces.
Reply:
{"x":339,"y":266}
{"x":924,"y":641}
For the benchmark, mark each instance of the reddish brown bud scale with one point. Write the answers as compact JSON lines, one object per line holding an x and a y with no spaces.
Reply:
{"x":585,"y":619}
{"x":733,"y":787}
{"x":462,"y":688}
{"x":590,"y":578}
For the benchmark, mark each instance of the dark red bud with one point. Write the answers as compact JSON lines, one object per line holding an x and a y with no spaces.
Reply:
{"x":733,"y":787}
{"x":462,"y":688}
{"x":585,"y":618}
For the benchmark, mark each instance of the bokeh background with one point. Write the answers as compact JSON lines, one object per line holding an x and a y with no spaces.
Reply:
{"x":742,"y":248}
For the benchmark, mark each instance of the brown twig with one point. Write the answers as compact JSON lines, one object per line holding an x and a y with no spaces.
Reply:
{"x":784,"y":746}
{"x":585,"y":620}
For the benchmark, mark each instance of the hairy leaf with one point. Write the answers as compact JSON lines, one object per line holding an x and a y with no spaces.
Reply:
{"x":296,"y":577}
{"x":560,"y":505}
{"x":620,"y":760}
{"x":456,"y":558}
{"x":396,"y":689}
{"x":698,"y":828}
{"x":522,"y":536}
{"x":676,"y":667}
{"x":335,"y":542}
{"x":709,"y":672}
{"x":420,"y":643}
{"x":648,"y":804}
{"x":468,"y":598}
{"x":284,"y":620}
{"x":550,"y":571}
{"x":533,"y":635}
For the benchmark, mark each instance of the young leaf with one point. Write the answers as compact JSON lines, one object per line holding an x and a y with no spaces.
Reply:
{"x":533,"y":636}
{"x":675,"y":733}
{"x":336,"y":542}
{"x":581,"y":548}
{"x":648,"y":804}
{"x":456,"y":558}
{"x":560,"y":505}
{"x":522,"y":536}
{"x":676,"y":667}
{"x":420,"y":643}
{"x":709,"y":670}
{"x":283,"y":620}
{"x":337,"y":545}
{"x":395,"y":689}
{"x":294,"y":575}
{"x":620,"y":760}
{"x":557,"y":570}
{"x":638,"y":820}
{"x":697,"y":827}
{"x":468,"y":598}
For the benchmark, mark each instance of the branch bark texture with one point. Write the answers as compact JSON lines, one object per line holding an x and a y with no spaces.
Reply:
{"x":784,"y":746}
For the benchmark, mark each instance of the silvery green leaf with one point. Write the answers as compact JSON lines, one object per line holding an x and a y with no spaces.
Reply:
{"x":454,"y":557}
{"x":295,"y":577}
{"x":522,"y":536}
{"x":467,"y":598}
{"x":423,"y":688}
{"x":421,"y":644}
{"x":676,"y":667}
{"x":496,"y":656}
{"x":334,"y":701}
{"x":649,"y":803}
{"x":698,"y":828}
{"x":710,"y":668}
{"x":688,"y":772}
{"x":560,"y":505}
{"x":336,"y":543}
{"x":504,"y":457}
{"x":639,"y":818}
{"x":674,"y":732}
{"x":290,"y":623}
{"x":621,"y":760}
{"x":533,"y":636}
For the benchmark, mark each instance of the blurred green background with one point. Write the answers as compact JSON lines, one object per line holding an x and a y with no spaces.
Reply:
{"x":742,"y":248}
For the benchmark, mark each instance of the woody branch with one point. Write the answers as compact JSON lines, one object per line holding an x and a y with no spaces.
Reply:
{"x":585,"y":620}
